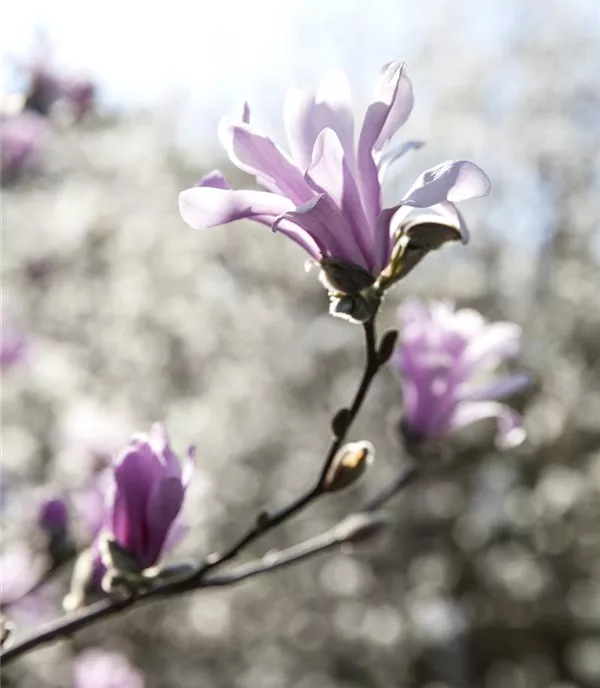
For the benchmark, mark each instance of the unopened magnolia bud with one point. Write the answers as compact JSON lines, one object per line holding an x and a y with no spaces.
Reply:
{"x":348,"y":466}
{"x":341,"y":276}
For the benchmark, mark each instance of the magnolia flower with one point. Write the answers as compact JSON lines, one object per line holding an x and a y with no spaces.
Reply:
{"x":21,"y":137}
{"x":443,"y":358}
{"x":47,"y":87}
{"x":96,"y":668}
{"x":326,"y":194}
{"x":147,"y":496}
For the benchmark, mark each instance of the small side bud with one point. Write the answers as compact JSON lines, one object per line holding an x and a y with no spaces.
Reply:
{"x":340,"y":422}
{"x":348,"y":466}
{"x":387,"y":346}
{"x":341,"y":276}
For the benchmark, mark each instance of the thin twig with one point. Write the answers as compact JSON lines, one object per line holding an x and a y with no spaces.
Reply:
{"x":267,"y":521}
{"x":198,"y":578}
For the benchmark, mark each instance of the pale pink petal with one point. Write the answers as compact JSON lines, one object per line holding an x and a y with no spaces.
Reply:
{"x":500,"y":389}
{"x":258,"y":155}
{"x":203,"y":207}
{"x":330,"y":172}
{"x":322,"y":219}
{"x":454,"y":181}
{"x":510,"y":430}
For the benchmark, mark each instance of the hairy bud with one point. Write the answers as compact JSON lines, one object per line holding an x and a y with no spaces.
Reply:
{"x":348,"y":466}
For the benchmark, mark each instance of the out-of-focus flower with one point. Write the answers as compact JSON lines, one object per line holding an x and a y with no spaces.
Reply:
{"x":53,"y":516}
{"x":443,"y":357}
{"x":80,"y":96}
{"x":147,"y":496}
{"x":21,"y":138}
{"x":95,"y":668}
{"x":19,"y":571}
{"x":47,"y":88}
{"x":326,"y":195}
{"x":13,"y":344}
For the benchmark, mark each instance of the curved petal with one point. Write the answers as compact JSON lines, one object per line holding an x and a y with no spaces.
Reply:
{"x":159,"y":441}
{"x":454,"y":180}
{"x":334,"y":109}
{"x":136,"y":473}
{"x":510,"y":429}
{"x":258,"y":155}
{"x":300,"y":127}
{"x":163,"y":507}
{"x":323,"y":221}
{"x":306,"y":116}
{"x":390,"y":108}
{"x":330,"y":171}
{"x":214,"y":179}
{"x":500,"y":389}
{"x":496,"y":342}
{"x":383,"y":237}
{"x":390,"y":157}
{"x":175,"y":535}
{"x":203,"y":207}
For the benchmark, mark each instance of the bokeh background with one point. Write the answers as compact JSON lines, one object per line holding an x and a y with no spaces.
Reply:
{"x":490,"y":576}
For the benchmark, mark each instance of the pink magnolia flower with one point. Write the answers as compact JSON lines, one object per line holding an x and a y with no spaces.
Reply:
{"x":326,"y":193}
{"x":442,"y":357}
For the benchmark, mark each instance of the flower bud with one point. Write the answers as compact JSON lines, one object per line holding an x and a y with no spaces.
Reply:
{"x":348,"y":466}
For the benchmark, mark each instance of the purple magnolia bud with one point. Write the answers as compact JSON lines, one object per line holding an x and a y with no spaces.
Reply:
{"x":95,"y":668}
{"x":53,"y":516}
{"x":442,"y":357}
{"x":147,"y":495}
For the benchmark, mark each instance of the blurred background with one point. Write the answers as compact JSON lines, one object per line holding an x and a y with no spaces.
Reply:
{"x":115,"y":314}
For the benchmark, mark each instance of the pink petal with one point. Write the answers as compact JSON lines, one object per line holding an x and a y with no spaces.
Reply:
{"x":330,"y":171}
{"x":510,"y":430}
{"x":390,"y":108}
{"x":203,"y":207}
{"x":323,"y":221}
{"x":454,"y":181}
{"x":258,"y":155}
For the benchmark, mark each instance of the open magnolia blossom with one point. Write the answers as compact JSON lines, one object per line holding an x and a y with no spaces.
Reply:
{"x":444,"y":357}
{"x":326,"y":193}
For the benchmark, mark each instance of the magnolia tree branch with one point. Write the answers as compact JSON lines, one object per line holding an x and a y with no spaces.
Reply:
{"x":354,"y":528}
